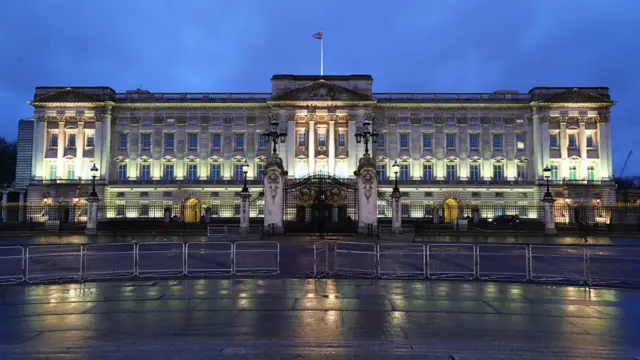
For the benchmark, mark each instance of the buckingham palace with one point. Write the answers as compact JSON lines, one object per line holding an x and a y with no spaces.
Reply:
{"x":445,"y":149}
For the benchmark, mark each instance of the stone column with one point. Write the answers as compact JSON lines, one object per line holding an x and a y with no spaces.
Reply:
{"x":244,"y":212}
{"x":92,"y":216}
{"x":564,"y":152}
{"x":396,"y":212}
{"x":4,"y":206}
{"x":105,"y":156}
{"x":312,"y":147}
{"x":367,"y":194}
{"x":292,"y":137}
{"x":332,"y":146}
{"x":351,"y":142}
{"x":21,"y":208}
{"x":80,"y":149}
{"x":549,"y":221}
{"x":582,"y":143}
{"x":274,"y":178}
{"x":62,"y":143}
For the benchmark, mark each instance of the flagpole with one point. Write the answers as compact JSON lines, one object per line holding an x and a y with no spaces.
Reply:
{"x":322,"y":53}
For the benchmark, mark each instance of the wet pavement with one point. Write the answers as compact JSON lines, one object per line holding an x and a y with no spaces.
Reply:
{"x":317,"y":319}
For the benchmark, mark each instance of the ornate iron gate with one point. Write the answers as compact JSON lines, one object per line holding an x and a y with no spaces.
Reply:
{"x":320,"y":204}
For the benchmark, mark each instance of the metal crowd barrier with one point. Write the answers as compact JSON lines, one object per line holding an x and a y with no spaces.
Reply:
{"x":402,"y":261}
{"x":320,"y":260}
{"x":355,"y":258}
{"x":11,"y":265}
{"x":451,"y":260}
{"x":209,"y":258}
{"x":558,"y":263}
{"x":256,"y":258}
{"x":53,"y":262}
{"x":108,"y":261}
{"x":160,"y":259}
{"x":503,"y":262}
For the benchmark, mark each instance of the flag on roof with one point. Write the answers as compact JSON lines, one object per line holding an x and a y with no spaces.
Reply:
{"x":317,"y":35}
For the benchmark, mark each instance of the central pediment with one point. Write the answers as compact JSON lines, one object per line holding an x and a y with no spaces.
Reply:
{"x":66,"y":95}
{"x":322,"y":90}
{"x":577,"y":96}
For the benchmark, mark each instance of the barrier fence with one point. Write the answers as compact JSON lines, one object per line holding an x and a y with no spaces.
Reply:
{"x":590,"y":265}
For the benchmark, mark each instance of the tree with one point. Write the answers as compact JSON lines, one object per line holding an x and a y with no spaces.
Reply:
{"x":8,"y":158}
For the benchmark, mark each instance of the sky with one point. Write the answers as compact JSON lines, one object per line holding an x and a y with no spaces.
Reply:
{"x":407,"y":46}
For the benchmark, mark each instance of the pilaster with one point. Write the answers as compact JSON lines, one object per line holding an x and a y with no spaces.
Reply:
{"x":312,"y":145}
{"x":332,"y":145}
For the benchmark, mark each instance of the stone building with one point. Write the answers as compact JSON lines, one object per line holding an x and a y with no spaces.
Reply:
{"x":451,"y":148}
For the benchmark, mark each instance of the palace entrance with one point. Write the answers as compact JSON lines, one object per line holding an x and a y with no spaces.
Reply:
{"x":451,"y":210}
{"x":320,"y":204}
{"x":192,"y":207}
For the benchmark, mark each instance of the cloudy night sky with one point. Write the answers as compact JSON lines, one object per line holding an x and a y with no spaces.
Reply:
{"x":407,"y":46}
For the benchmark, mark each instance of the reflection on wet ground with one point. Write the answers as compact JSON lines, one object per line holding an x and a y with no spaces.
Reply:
{"x":479,"y":239}
{"x":317,"y":319}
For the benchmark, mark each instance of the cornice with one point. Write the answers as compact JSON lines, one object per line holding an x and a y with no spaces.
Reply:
{"x":443,"y":106}
{"x":68,"y":104}
{"x":321,"y":103}
{"x":542,"y":104}
{"x":190,"y":105}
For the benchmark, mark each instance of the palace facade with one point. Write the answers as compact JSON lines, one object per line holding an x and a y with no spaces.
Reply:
{"x":188,"y":148}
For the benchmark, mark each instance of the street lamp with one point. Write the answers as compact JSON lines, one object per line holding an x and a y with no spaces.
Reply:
{"x":364,"y":133}
{"x":94,"y":175}
{"x":274,"y":134}
{"x":396,"y":170}
{"x":547,"y":176}
{"x":245,"y":171}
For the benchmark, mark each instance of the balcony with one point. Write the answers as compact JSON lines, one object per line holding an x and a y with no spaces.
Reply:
{"x":460,"y":182}
{"x":208,"y":182}
{"x":576,"y":182}
{"x":65,"y":182}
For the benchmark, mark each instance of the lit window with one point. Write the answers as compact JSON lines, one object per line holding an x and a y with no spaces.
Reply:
{"x":554,"y":172}
{"x":91,"y":141}
{"x":261,"y":143}
{"x":145,"y":172}
{"x":381,"y":169}
{"x":427,"y":172}
{"x":591,"y":172}
{"x":404,"y":172}
{"x":553,"y":141}
{"x":301,"y":139}
{"x":260,"y":172}
{"x":522,"y":171}
{"x":451,"y":172}
{"x":573,"y":172}
{"x":71,"y":141}
{"x":215,"y":171}
{"x":590,"y":144}
{"x":71,"y":171}
{"x":498,"y":172}
{"x":53,"y":142}
{"x":53,"y":171}
{"x":341,"y":139}
{"x":520,"y":141}
{"x":168,"y":171}
{"x":237,"y":172}
{"x":322,"y":139}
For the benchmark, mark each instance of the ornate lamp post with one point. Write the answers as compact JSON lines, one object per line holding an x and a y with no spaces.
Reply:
{"x":274,"y":133}
{"x":94,"y":175}
{"x":396,"y":170}
{"x":396,"y":218}
{"x":547,"y":176}
{"x":364,"y":133}
{"x":245,"y":171}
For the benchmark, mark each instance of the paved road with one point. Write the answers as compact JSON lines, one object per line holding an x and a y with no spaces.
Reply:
{"x":316,"y":319}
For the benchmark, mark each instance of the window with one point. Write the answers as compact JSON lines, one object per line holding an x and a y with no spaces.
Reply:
{"x":215,"y":141}
{"x":591,"y":172}
{"x":122,"y":172}
{"x":520,"y":141}
{"x":382,"y":171}
{"x":145,"y":172}
{"x":427,"y":172}
{"x":53,"y":171}
{"x":404,"y":141}
{"x":168,"y":171}
{"x":451,"y":172}
{"x":144,"y":210}
{"x":474,"y":172}
{"x":553,"y":141}
{"x":322,"y":139}
{"x":193,"y":141}
{"x":521,"y":171}
{"x":215,"y":172}
{"x":71,"y":140}
{"x":474,"y":141}
{"x":341,"y":139}
{"x":301,"y":139}
{"x":451,"y":141}
{"x":261,"y":143}
{"x":146,"y":141}
{"x":123,"y":141}
{"x":381,"y":140}
{"x":554,"y":172}
{"x":236,"y":210}
{"x":382,"y":209}
{"x":168,"y":140}
{"x":498,"y":172}
{"x":428,"y":212}
{"x":404,"y":172}
{"x":573,"y":143}
{"x":53,"y":142}
{"x":404,"y":209}
{"x":260,"y":174}
{"x":91,"y":141}
{"x":71,"y":171}
{"x":573,"y":172}
{"x":426,"y":141}
{"x":497,"y":141}
{"x":120,"y":210}
{"x":239,"y":141}
{"x":590,"y":144}
{"x":237,"y":172}
{"x":192,"y":172}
